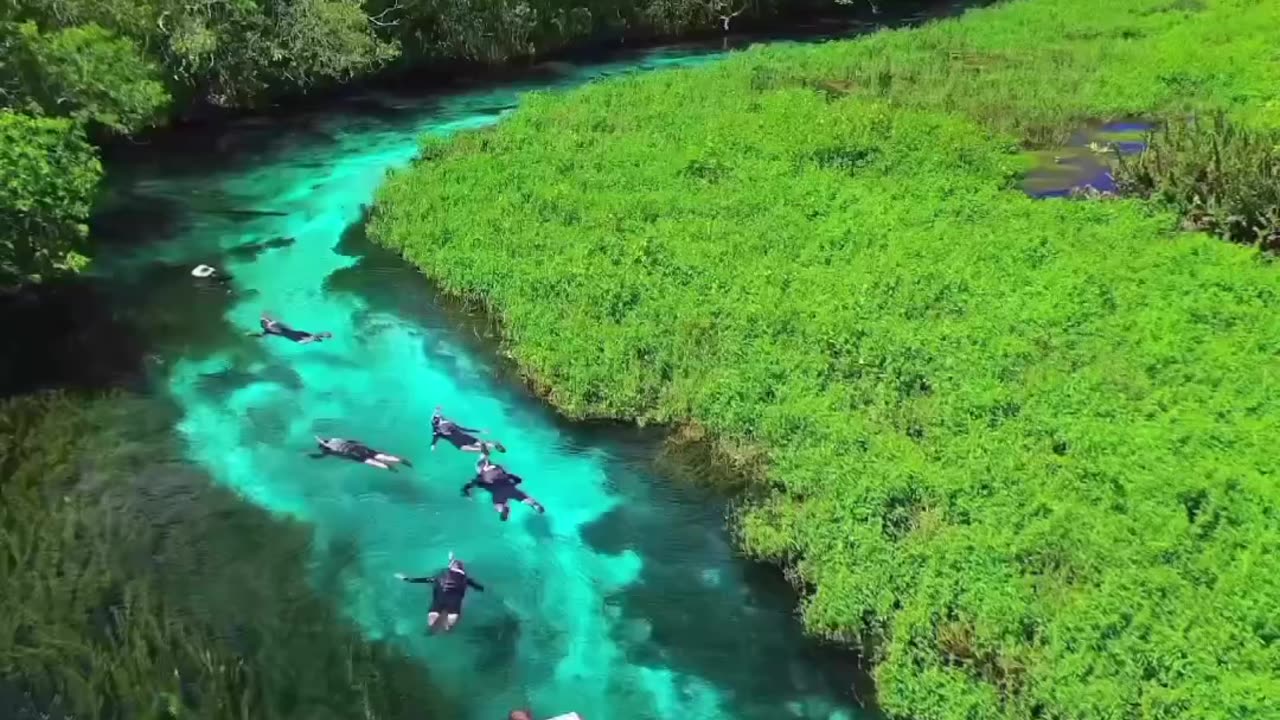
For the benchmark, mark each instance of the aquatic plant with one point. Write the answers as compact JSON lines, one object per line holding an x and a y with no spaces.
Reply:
{"x":110,"y":608}
{"x":1018,"y":450}
{"x":1222,"y":177}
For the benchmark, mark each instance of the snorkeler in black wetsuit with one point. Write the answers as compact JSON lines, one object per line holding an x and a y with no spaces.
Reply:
{"x":501,"y":486}
{"x":458,"y":436}
{"x":359,"y":452}
{"x":446,"y":598}
{"x":271,"y":326}
{"x":211,"y":274}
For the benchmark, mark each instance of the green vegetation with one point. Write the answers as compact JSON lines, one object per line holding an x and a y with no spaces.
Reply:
{"x":50,"y":173}
{"x":122,"y":66}
{"x":1222,"y":178}
{"x":107,"y":612}
{"x":1020,"y":451}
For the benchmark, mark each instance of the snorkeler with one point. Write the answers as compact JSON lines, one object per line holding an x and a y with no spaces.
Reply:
{"x":446,"y":597}
{"x":271,"y":326}
{"x":458,"y":436}
{"x":359,"y":452}
{"x":501,"y":486}
{"x":208,"y":272}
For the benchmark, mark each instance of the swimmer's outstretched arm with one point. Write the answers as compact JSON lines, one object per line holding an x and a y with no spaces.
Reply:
{"x":475,"y":584}
{"x":466,"y":489}
{"x":318,"y":455}
{"x":431,"y":579}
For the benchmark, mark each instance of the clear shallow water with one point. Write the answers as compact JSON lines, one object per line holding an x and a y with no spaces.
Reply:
{"x":1086,"y":161}
{"x":624,"y":601}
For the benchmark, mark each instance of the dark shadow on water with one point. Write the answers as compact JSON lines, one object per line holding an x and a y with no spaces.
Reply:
{"x":68,"y":335}
{"x":250,"y":251}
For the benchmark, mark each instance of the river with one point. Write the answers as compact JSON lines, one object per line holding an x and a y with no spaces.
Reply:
{"x":625,"y":600}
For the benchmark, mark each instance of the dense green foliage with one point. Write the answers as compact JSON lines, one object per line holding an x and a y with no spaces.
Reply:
{"x":108,"y":612}
{"x":46,"y":190}
{"x":85,"y":72}
{"x":119,"y":65}
{"x":502,"y":29}
{"x":1019,"y":450}
{"x":1222,"y":177}
{"x":225,"y":53}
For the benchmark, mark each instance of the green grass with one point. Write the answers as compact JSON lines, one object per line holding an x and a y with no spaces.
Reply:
{"x":1020,"y":451}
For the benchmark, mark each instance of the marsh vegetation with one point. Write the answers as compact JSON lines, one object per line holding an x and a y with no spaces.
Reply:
{"x":1017,"y":450}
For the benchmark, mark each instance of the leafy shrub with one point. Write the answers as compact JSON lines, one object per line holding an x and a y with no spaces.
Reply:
{"x":1224,"y":178}
{"x":1019,"y":450}
{"x":86,"y":73}
{"x":49,"y":175}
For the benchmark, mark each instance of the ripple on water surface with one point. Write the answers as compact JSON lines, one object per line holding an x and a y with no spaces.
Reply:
{"x":623,"y":601}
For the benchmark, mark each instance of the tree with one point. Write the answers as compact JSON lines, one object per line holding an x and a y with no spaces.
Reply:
{"x":46,"y":188}
{"x":85,"y":72}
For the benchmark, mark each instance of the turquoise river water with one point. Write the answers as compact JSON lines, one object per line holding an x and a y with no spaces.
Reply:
{"x":625,"y":600}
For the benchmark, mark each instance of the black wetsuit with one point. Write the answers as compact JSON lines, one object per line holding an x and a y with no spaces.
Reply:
{"x":450,"y":588}
{"x":275,"y":327}
{"x":348,"y":449}
{"x":500,"y":483}
{"x":454,"y":433}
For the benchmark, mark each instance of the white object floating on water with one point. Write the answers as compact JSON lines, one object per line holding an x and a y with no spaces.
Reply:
{"x":202,"y":271}
{"x":567,"y":716}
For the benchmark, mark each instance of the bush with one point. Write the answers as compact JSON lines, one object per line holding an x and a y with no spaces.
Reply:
{"x":49,"y":175}
{"x":1222,"y":177}
{"x":86,"y":73}
{"x":1019,"y":450}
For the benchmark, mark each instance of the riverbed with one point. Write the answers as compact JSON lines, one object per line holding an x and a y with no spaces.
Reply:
{"x":625,"y":600}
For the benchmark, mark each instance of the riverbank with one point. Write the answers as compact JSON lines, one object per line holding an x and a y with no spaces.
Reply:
{"x":968,"y":404}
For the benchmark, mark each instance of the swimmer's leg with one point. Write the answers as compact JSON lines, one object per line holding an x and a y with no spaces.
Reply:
{"x":503,"y":509}
{"x":533,"y":504}
{"x":375,"y":463}
{"x":432,"y":617}
{"x":383,"y":457}
{"x":450,"y":620}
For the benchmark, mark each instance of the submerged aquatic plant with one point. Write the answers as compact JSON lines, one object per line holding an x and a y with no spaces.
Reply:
{"x":1221,"y":176}
{"x":108,"y":612}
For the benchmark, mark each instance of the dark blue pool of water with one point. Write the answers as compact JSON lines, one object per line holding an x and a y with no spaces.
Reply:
{"x":1086,"y":161}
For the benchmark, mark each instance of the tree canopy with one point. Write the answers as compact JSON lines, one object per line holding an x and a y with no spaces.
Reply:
{"x":122,"y":66}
